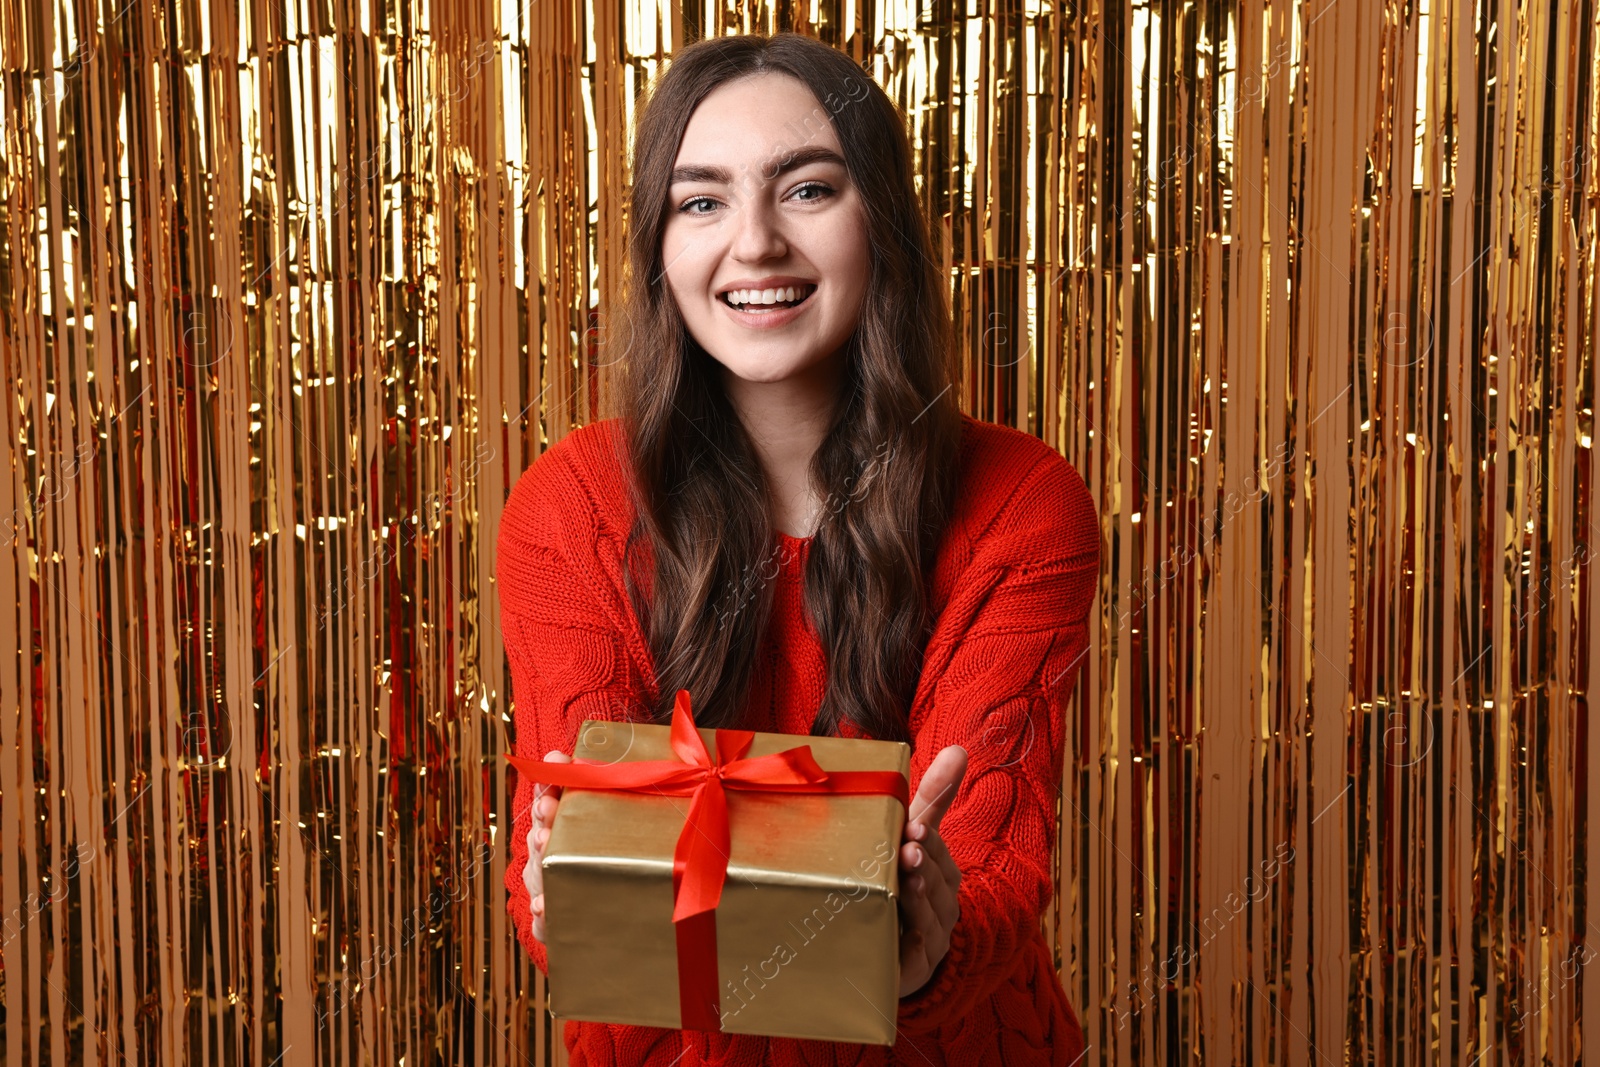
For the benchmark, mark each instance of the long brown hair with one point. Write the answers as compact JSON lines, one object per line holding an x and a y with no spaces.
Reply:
{"x":885,"y":469}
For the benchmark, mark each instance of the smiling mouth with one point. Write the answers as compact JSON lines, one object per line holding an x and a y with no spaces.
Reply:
{"x":753,"y":300}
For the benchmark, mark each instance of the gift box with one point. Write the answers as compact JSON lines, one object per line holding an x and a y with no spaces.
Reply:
{"x":725,"y":880}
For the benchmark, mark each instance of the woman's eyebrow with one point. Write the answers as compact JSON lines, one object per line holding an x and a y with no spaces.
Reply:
{"x":800,"y":157}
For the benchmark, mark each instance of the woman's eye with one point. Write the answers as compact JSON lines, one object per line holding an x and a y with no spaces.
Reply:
{"x":821,"y":191}
{"x":688,"y":205}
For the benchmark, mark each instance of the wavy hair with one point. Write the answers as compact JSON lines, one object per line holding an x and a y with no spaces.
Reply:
{"x":886,"y":466}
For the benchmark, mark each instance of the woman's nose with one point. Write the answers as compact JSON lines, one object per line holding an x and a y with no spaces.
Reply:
{"x":759,"y":234}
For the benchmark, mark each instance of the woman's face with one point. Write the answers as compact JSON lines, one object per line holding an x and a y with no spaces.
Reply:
{"x":761,"y":209}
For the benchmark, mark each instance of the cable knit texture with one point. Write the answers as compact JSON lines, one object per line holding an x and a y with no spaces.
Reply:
{"x":1012,"y":588}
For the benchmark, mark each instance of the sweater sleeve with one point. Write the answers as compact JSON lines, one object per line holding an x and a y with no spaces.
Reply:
{"x":999,"y":670}
{"x":574,"y":647}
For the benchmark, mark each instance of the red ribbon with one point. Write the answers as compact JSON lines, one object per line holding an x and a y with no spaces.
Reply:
{"x":700,"y":860}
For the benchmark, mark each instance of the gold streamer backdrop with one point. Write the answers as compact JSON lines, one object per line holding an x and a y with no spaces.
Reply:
{"x":292,"y":293}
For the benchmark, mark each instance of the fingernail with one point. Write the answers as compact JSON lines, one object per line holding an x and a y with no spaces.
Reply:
{"x":916,"y":858}
{"x":538,"y":904}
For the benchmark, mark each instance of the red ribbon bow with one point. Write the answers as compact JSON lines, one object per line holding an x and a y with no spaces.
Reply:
{"x":700,"y":860}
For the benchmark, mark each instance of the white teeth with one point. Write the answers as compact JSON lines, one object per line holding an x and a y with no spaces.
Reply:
{"x":766,"y":296}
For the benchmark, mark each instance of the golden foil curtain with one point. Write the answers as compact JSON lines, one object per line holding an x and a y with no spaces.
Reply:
{"x":290,"y":294}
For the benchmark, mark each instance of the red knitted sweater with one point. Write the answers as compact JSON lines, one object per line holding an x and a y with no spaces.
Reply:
{"x":1012,"y":588}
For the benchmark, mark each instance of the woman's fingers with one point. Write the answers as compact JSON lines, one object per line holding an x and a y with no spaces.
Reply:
{"x":938,"y":888}
{"x":922,"y":881}
{"x":546,"y":799}
{"x":929,"y":877}
{"x":533,"y":878}
{"x":545,"y":796}
{"x":921,"y":920}
{"x":930,"y":905}
{"x":939,"y":854}
{"x":538,"y":918}
{"x":938,"y":787}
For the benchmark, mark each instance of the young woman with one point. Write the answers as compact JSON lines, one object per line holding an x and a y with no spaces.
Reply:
{"x":794,"y":521}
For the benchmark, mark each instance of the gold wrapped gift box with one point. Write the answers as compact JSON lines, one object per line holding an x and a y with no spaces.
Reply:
{"x":807,"y":929}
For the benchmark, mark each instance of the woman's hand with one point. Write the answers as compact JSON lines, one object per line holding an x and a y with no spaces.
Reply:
{"x":929,"y":878}
{"x":544,"y":816}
